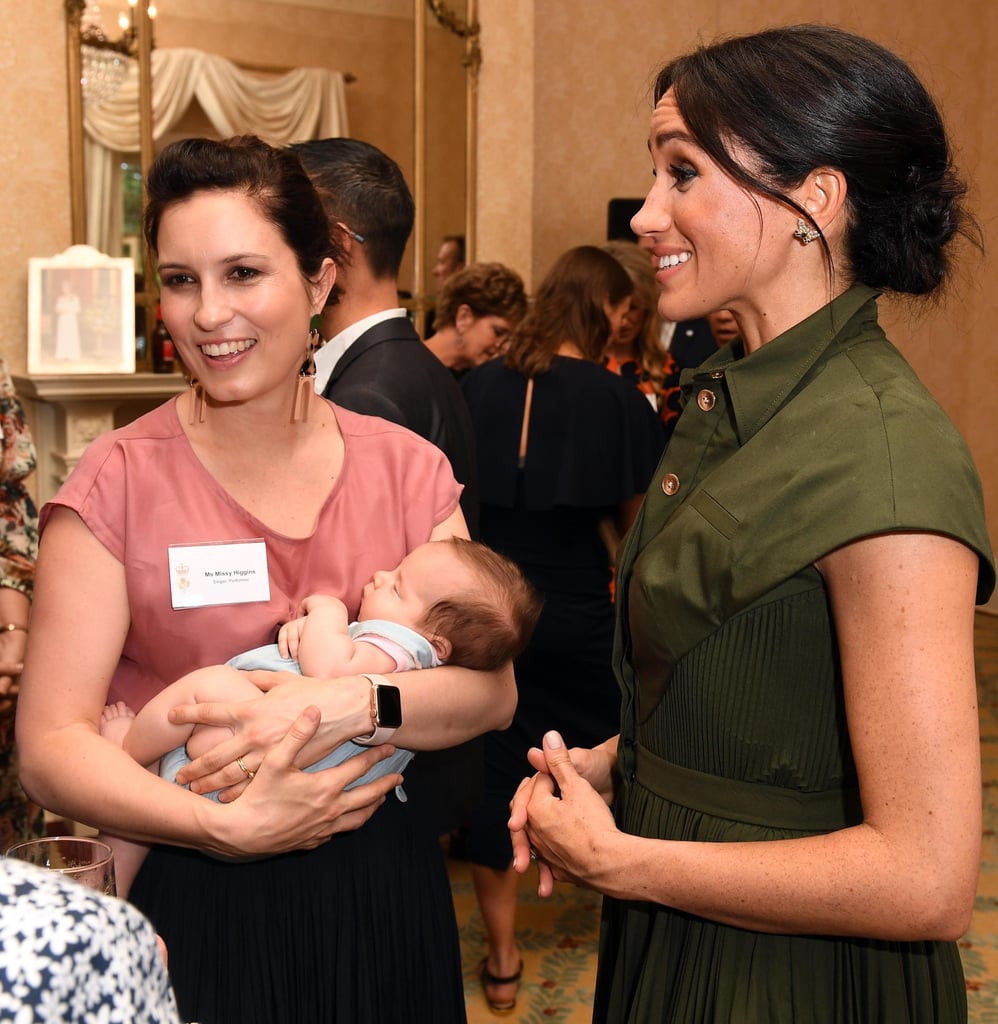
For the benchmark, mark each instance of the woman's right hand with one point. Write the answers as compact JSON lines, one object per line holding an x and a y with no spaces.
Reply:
{"x":597,"y":766}
{"x":284,"y":808}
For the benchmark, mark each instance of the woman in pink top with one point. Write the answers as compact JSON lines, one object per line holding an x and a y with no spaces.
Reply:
{"x":192,"y":534}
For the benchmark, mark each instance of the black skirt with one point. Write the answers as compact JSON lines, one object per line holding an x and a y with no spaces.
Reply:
{"x":359,"y":931}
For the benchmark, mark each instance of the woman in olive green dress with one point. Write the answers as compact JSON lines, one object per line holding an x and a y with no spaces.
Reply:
{"x":795,"y":790}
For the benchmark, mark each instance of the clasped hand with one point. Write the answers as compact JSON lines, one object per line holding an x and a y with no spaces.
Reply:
{"x":276,"y":736}
{"x":562,"y":815}
{"x":257,"y":726}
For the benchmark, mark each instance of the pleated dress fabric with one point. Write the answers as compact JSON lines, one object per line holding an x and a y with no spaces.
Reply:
{"x":733,"y":719}
{"x":360,"y":930}
{"x":792,"y":740}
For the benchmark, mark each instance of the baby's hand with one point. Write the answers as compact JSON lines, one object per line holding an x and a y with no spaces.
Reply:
{"x":331,"y":609}
{"x":322,"y":602}
{"x":289,"y":638}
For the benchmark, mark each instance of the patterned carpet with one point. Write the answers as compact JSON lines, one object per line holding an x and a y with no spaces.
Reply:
{"x":558,"y":936}
{"x":557,"y":940}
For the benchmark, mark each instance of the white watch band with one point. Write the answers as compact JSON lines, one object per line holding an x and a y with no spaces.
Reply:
{"x":379,"y":734}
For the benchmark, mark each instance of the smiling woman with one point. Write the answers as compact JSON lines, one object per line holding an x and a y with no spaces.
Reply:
{"x":795,"y":786}
{"x":219,"y":306}
{"x":275,"y":507}
{"x":230,"y":283}
{"x":738,"y":261}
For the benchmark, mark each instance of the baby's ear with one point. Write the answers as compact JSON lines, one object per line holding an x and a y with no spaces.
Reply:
{"x":441,"y":645}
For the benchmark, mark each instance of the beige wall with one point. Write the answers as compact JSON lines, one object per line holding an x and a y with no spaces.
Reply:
{"x":374,"y":42}
{"x":286,"y":35}
{"x":590,"y":65}
{"x":34,"y":157}
{"x":563,"y":116}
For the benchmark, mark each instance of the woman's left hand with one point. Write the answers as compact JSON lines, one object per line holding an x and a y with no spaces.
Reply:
{"x":567,"y":821}
{"x":259,"y":725}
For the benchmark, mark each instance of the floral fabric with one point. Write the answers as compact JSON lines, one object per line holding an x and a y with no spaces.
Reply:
{"x":18,"y":516}
{"x":19,"y":818}
{"x":69,"y":954}
{"x":666,"y":393}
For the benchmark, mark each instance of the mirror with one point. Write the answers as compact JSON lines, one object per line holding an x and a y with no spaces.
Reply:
{"x":407,"y":73}
{"x":445,"y":126}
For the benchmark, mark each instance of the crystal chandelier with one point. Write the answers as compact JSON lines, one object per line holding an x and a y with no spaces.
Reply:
{"x":105,"y":60}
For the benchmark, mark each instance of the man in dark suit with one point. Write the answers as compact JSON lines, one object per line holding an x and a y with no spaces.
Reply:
{"x":374,"y":362}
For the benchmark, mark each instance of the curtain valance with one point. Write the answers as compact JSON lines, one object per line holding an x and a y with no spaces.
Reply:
{"x":305,"y":103}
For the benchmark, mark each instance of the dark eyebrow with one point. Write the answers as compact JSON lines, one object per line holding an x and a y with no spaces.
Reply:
{"x":229,"y":261}
{"x":241,"y":257}
{"x":663,"y":137}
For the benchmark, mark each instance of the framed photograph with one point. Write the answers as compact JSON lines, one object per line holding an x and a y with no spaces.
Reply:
{"x":81,"y":313}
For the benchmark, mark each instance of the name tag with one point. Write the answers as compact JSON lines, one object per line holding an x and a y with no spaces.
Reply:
{"x":233,"y":572}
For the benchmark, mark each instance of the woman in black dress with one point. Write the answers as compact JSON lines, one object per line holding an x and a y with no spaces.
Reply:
{"x":565,"y":449}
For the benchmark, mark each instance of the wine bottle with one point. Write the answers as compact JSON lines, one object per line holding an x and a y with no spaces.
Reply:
{"x":162,"y":345}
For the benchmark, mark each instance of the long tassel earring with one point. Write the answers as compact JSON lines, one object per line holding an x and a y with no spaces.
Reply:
{"x":197,"y":404}
{"x":305,"y":387}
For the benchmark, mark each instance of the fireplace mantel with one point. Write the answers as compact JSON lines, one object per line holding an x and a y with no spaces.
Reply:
{"x":66,"y":412}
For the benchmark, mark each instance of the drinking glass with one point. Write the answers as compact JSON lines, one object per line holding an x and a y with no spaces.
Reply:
{"x":87,"y":860}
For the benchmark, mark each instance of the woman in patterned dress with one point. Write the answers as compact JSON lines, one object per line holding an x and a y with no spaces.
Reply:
{"x":19,"y":817}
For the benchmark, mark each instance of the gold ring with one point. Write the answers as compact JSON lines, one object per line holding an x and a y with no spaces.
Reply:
{"x":242,"y":764}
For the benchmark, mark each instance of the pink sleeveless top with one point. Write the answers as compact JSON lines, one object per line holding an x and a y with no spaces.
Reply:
{"x":142,"y":488}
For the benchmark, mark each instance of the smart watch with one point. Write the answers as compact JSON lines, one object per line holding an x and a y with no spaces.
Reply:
{"x":386,"y":711}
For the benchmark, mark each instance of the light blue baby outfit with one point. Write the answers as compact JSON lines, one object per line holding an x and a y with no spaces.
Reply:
{"x":410,"y":651}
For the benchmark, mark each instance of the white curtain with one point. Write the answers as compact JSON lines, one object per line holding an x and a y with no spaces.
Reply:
{"x":306,"y":103}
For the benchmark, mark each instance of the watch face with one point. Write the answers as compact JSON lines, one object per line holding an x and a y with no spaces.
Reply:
{"x":389,"y":707}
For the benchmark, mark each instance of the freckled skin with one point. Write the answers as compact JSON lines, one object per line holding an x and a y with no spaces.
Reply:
{"x":739,"y":244}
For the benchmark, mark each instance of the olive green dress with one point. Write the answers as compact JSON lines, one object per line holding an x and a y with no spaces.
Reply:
{"x":733,"y":724}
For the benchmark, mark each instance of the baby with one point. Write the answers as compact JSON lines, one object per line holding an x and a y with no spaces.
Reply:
{"x":453,"y":601}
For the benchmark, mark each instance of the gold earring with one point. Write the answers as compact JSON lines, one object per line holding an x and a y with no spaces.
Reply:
{"x":805,"y":232}
{"x":197,"y":405}
{"x":305,"y":386}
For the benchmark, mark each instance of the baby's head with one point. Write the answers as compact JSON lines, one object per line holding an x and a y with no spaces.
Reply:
{"x":474,"y":605}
